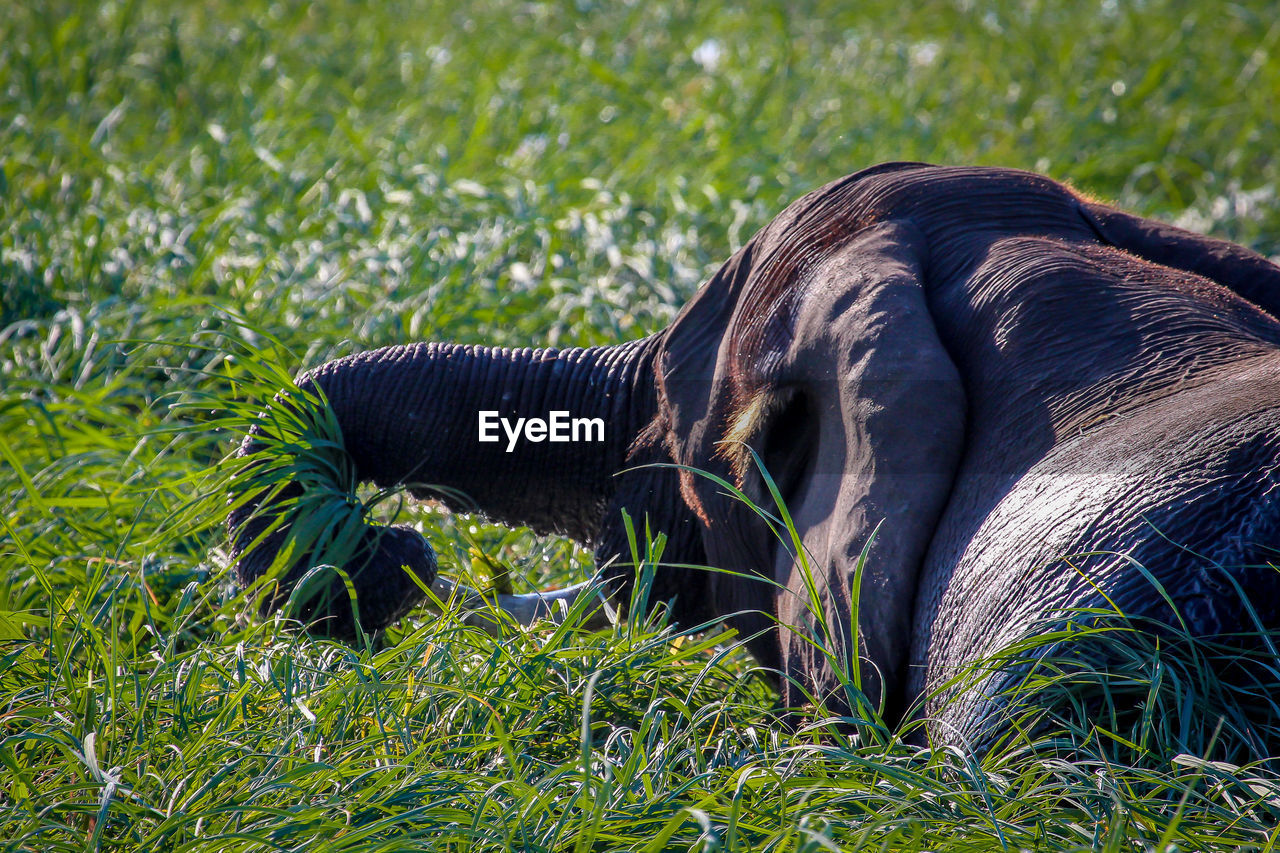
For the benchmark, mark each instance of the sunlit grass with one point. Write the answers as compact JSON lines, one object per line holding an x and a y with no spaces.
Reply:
{"x":198,"y":200}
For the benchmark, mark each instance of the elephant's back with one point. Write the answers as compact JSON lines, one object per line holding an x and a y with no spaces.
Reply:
{"x":1187,"y":486}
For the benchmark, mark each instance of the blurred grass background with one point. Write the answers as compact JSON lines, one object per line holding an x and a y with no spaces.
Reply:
{"x":194,"y":195}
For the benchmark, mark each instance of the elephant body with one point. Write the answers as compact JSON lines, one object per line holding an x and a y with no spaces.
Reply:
{"x":986,"y":400}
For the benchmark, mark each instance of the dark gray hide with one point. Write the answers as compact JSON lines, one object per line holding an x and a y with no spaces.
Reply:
{"x":996,"y":372}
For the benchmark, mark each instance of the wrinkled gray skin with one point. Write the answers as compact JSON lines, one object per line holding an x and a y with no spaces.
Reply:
{"x":993,"y":369}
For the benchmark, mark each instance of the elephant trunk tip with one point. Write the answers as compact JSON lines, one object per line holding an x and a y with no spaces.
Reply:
{"x":389,"y":568}
{"x":390,"y":573}
{"x":301,"y":524}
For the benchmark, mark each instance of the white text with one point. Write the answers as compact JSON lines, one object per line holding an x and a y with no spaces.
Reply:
{"x":558,"y":426}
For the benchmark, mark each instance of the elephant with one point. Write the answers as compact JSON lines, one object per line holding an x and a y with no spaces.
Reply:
{"x":986,"y":399}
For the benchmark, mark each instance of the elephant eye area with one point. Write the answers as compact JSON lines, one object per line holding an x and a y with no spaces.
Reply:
{"x":790,"y":445}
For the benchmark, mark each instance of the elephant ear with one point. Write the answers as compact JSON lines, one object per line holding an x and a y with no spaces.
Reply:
{"x":829,"y":367}
{"x":1242,"y":271}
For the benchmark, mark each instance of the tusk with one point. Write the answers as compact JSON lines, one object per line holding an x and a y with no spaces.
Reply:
{"x":527,"y":608}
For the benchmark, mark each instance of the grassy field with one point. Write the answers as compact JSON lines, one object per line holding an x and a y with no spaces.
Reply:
{"x":198,"y":199}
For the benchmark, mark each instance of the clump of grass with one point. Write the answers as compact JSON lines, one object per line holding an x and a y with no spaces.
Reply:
{"x":1124,"y":688}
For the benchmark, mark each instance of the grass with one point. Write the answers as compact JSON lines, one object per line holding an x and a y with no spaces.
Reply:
{"x":198,"y":199}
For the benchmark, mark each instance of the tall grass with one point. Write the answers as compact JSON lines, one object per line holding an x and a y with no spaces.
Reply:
{"x":197,"y":200}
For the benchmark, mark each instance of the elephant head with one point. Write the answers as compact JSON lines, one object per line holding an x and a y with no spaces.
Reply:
{"x":953,"y":377}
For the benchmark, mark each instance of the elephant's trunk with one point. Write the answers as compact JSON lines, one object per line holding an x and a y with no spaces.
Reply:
{"x":558,"y":425}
